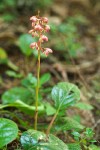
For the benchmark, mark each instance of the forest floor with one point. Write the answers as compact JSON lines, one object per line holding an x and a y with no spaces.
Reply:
{"x":83,"y":70}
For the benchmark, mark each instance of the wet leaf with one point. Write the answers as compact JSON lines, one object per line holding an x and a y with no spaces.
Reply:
{"x":65,"y":94}
{"x":33,"y":139}
{"x":8,"y":131}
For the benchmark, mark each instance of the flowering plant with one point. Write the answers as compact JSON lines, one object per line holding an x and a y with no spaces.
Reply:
{"x":63,"y":95}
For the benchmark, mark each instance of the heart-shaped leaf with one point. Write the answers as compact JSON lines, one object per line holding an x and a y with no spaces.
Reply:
{"x":33,"y":139}
{"x":17,"y":93}
{"x":8,"y":131}
{"x":65,"y":94}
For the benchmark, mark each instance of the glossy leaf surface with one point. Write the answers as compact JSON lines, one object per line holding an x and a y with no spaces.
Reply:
{"x":65,"y":94}
{"x":33,"y":139}
{"x":8,"y":131}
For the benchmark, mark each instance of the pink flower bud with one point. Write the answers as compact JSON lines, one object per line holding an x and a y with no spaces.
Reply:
{"x":33,"y":24}
{"x":43,"y":38}
{"x":33,"y":19}
{"x":47,"y":51}
{"x":45,"y":20}
{"x":38,"y":28}
{"x":47,"y":28}
{"x":34,"y":34}
{"x":30,"y":31}
{"x":34,"y":45}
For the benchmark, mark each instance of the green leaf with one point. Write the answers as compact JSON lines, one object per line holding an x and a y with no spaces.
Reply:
{"x":76,"y":135}
{"x":89,"y":132}
{"x":8,"y":17}
{"x":8,"y":131}
{"x":65,"y":94}
{"x":24,"y":43}
{"x":3,"y":56}
{"x":13,"y":74}
{"x":94,"y":147}
{"x":45,"y":78}
{"x":4,"y":60}
{"x":24,"y":107}
{"x":83,"y":106}
{"x":17,"y":93}
{"x":68,"y":124}
{"x":29,"y":81}
{"x":33,"y":139}
{"x":49,"y":109}
{"x":74,"y":146}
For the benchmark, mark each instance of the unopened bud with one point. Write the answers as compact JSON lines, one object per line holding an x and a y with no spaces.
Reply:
{"x":47,"y":51}
{"x":38,"y":28}
{"x":45,"y":20}
{"x":47,"y":28}
{"x":43,"y":38}
{"x":33,"y":19}
{"x":34,"y":45}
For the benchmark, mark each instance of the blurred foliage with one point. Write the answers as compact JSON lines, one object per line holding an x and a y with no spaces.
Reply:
{"x":10,"y":8}
{"x":66,"y":36}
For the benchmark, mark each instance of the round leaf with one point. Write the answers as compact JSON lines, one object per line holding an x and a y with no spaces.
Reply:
{"x":33,"y":139}
{"x":17,"y":93}
{"x":8,"y":131}
{"x":24,"y":42}
{"x":65,"y":94}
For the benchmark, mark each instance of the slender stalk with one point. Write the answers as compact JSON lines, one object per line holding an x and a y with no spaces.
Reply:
{"x":51,"y":123}
{"x":37,"y":89}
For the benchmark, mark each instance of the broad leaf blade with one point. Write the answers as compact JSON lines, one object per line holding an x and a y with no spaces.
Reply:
{"x":17,"y":93}
{"x":32,"y":139}
{"x":65,"y":94}
{"x":8,"y":131}
{"x":24,"y":107}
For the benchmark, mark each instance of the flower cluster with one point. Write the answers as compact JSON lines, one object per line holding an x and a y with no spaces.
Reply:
{"x":39,"y":27}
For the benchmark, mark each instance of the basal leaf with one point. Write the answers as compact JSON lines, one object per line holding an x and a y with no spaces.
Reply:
{"x":65,"y":94}
{"x":24,"y":107}
{"x":33,"y":139}
{"x":8,"y":131}
{"x":17,"y":93}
